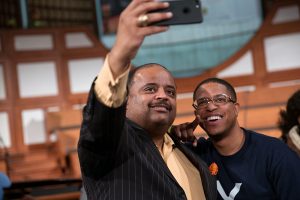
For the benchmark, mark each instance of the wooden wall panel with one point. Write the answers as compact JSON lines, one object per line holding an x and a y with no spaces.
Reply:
{"x":262,"y":103}
{"x":59,"y":54}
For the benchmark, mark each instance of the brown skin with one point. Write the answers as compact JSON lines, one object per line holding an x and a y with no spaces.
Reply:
{"x":225,"y":126}
{"x":130,"y":36}
{"x":225,"y":133}
{"x":152,"y":101}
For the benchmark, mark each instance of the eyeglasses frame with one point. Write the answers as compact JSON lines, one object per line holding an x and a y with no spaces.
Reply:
{"x":229,"y":99}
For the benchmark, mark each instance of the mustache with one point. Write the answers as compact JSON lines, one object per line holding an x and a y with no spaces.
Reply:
{"x":161,"y":103}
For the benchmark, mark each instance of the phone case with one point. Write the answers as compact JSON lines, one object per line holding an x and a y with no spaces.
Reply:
{"x":184,"y":12}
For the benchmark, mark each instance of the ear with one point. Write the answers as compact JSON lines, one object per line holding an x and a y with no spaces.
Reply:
{"x":236,"y":108}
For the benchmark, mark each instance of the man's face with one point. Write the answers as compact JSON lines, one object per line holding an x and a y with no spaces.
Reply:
{"x":217,"y":120}
{"x":152,"y":98}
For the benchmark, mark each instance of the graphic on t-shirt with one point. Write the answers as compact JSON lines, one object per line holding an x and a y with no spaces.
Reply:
{"x":232,"y":193}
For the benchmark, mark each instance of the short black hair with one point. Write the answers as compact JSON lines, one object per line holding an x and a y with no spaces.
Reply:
{"x":289,"y":116}
{"x":136,"y":69}
{"x":228,"y":86}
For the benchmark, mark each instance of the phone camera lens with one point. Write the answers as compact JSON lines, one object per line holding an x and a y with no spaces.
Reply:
{"x":186,"y":10}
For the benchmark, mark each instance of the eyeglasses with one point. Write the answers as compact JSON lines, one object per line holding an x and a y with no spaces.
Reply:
{"x":218,"y":100}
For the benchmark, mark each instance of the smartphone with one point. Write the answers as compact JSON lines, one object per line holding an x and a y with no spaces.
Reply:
{"x":184,"y":12}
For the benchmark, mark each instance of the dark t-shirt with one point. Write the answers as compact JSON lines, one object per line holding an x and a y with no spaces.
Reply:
{"x":264,"y":168}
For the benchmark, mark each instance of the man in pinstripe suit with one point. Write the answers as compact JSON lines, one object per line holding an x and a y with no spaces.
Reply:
{"x":124,"y":150}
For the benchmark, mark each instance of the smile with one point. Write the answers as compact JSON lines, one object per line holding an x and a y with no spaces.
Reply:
{"x":213,"y":118}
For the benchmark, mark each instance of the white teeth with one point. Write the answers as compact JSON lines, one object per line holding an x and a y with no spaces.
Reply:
{"x":213,"y":118}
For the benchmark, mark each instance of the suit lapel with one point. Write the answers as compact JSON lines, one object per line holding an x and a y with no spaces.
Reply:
{"x":160,"y":161}
{"x":208,"y":182}
{"x":153,"y":151}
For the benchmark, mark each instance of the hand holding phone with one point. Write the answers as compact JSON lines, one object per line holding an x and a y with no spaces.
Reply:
{"x":184,"y":12}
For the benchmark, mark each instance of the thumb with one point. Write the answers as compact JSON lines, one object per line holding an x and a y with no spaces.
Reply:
{"x":194,"y":124}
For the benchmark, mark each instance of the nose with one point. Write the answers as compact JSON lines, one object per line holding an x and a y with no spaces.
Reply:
{"x":161,"y":94}
{"x":211,"y":106}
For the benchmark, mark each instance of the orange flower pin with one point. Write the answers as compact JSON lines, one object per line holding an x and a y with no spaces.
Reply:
{"x":213,"y":168}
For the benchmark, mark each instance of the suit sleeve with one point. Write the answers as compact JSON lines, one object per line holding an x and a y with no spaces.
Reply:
{"x":102,"y":127}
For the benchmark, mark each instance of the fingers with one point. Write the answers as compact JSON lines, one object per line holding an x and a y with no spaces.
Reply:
{"x":130,"y":32}
{"x":185,"y":132}
{"x":132,"y":29}
{"x":175,"y":130}
{"x":134,"y":3}
{"x":140,"y":8}
{"x":158,"y":16}
{"x":149,"y":9}
{"x":194,"y":124}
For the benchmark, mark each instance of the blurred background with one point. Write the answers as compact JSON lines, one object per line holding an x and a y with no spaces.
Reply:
{"x":227,"y":26}
{"x":51,"y":50}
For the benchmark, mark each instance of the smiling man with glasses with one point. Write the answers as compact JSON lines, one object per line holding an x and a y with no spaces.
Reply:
{"x":247,"y":165}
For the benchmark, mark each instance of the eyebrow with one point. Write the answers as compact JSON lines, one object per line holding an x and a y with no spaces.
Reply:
{"x":155,"y":84}
{"x":171,"y":86}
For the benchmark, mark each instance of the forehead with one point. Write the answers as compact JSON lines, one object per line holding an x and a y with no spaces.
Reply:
{"x":211,"y":89}
{"x":154,"y":75}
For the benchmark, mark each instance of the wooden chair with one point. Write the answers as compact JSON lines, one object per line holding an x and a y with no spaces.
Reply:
{"x":65,"y":126}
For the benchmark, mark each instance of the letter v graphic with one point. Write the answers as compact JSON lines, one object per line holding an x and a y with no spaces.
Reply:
{"x":232,"y":193}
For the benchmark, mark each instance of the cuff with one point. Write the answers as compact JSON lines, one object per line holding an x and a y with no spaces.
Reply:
{"x":110,"y":91}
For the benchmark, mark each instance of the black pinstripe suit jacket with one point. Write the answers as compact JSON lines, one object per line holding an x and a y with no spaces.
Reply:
{"x":119,"y":160}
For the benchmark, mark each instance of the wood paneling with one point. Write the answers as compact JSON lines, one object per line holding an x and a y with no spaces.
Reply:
{"x":259,"y":109}
{"x":64,"y":100}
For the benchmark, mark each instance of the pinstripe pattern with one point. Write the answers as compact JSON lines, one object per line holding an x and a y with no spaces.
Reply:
{"x":119,"y":161}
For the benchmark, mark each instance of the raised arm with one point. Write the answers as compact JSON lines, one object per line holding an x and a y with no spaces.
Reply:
{"x":102,"y":134}
{"x":131,"y":34}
